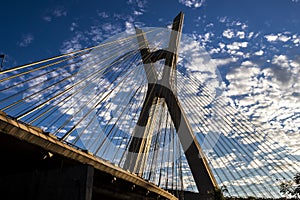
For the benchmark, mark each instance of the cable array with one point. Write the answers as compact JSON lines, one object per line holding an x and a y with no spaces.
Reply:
{"x":92,"y":98}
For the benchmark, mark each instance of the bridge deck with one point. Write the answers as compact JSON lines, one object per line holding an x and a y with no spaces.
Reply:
{"x":24,"y":147}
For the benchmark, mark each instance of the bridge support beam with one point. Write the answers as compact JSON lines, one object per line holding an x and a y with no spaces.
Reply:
{"x":166,"y":88}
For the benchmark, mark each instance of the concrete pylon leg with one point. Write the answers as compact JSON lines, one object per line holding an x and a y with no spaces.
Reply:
{"x":166,"y":88}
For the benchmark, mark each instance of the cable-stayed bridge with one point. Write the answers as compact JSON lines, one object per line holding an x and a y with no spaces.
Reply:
{"x":140,"y":119}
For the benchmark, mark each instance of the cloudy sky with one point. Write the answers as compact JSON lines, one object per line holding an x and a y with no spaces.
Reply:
{"x":254,"y":45}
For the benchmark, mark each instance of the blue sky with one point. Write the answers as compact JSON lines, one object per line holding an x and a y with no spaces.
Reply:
{"x":253,"y":44}
{"x":33,"y":30}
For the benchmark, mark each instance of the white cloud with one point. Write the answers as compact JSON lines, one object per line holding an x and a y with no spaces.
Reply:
{"x":204,"y":38}
{"x":26,"y":40}
{"x":269,"y":99}
{"x":73,"y":26}
{"x":57,"y":12}
{"x":237,"y":45}
{"x":281,"y":60}
{"x":232,"y":46}
{"x":129,"y":28}
{"x":47,"y":18}
{"x":240,"y":34}
{"x":248,"y":63}
{"x":259,"y":53}
{"x":138,"y":6}
{"x":223,"y":19}
{"x":269,"y":105}
{"x":137,"y":12}
{"x":284,"y":38}
{"x":74,"y":43}
{"x":228,"y":33}
{"x":223,"y":162}
{"x":277,"y":37}
{"x":271,"y":38}
{"x":296,"y":40}
{"x":241,"y":79}
{"x":246,"y":181}
{"x":192,"y":3}
{"x":263,"y":95}
{"x":250,"y":35}
{"x":244,"y":26}
{"x":103,"y":14}
{"x":222,"y":45}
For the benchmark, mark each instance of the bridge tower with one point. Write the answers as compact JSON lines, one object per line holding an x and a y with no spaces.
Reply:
{"x":165,"y":88}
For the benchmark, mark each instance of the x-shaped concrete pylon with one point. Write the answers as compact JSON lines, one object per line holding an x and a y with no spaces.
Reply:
{"x":165,"y":88}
